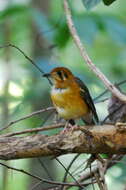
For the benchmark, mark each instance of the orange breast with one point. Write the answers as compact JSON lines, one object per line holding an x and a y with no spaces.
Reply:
{"x":68,"y":103}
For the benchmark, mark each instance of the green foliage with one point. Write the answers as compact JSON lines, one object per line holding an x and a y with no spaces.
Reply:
{"x":90,"y":4}
{"x":62,"y":35}
{"x":12,"y":10}
{"x":108,"y":2}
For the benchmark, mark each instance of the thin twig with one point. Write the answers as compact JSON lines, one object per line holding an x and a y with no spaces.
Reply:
{"x":85,"y":56}
{"x":91,"y":177}
{"x":47,"y":118}
{"x":50,"y":127}
{"x":97,"y":177}
{"x":27,"y":116}
{"x":69,"y":173}
{"x":39,"y":178}
{"x":114,"y":111}
{"x":106,"y":91}
{"x":100,"y":95}
{"x":75,"y":171}
{"x":36,"y":185}
{"x":103,"y":100}
{"x":69,"y":166}
{"x":45,"y":168}
{"x":27,"y":57}
{"x":110,"y":163}
{"x":101,"y":172}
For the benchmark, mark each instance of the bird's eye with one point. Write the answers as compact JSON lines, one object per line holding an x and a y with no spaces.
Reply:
{"x":65,"y":75}
{"x":59,"y":73}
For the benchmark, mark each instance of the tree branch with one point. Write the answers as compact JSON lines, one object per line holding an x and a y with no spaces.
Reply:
{"x":34,"y":130}
{"x":27,"y":116}
{"x":42,"y":179}
{"x":85,"y":56}
{"x":97,"y":139}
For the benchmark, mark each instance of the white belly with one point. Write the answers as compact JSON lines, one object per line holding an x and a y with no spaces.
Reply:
{"x":58,"y":91}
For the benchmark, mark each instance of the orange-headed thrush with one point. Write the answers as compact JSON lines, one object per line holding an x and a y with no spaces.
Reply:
{"x":71,"y":97}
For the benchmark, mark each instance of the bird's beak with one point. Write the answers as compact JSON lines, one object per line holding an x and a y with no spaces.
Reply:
{"x":46,"y":75}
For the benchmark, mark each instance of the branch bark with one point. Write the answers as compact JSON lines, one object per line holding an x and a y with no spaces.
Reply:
{"x":97,"y":139}
{"x":86,"y":57}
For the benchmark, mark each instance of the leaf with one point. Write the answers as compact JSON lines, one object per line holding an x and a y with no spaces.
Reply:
{"x":90,"y":3}
{"x":108,"y":2}
{"x":62,"y":41}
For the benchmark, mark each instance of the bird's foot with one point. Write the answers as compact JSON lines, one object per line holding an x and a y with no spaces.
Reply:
{"x":65,"y":130}
{"x":69,"y":128}
{"x":73,"y":127}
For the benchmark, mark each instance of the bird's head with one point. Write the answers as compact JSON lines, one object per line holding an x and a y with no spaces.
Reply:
{"x":61,"y":77}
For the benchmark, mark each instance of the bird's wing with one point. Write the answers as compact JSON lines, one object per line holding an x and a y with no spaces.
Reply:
{"x":84,"y":92}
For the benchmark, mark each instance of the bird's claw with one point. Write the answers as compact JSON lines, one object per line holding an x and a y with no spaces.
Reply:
{"x":69,"y":128}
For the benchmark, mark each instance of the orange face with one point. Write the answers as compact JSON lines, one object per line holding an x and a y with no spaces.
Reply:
{"x":62,"y":77}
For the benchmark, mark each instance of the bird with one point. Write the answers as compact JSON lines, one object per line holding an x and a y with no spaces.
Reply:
{"x":71,"y":97}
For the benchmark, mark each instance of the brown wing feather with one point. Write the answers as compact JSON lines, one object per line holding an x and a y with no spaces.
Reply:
{"x":84,"y":92}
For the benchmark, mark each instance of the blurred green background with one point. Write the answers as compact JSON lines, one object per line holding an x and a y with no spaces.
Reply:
{"x":38,"y":27}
